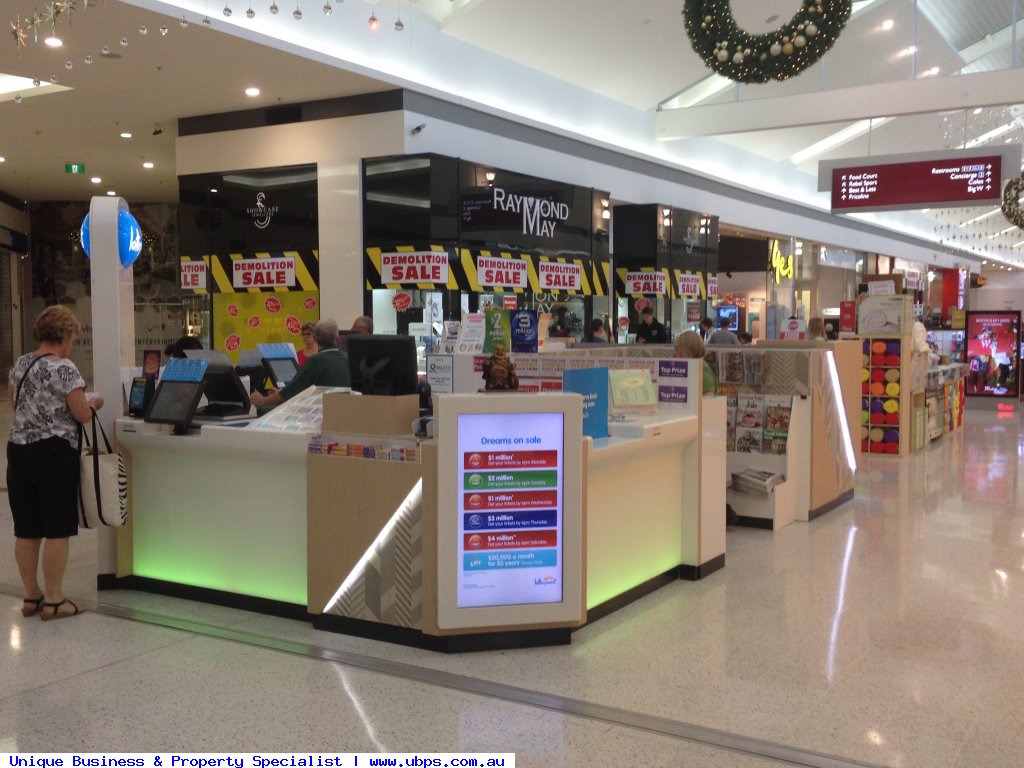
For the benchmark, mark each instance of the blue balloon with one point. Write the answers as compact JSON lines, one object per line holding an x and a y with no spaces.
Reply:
{"x":129,"y":238}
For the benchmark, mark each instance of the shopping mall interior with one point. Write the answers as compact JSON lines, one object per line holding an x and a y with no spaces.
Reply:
{"x":885,"y":632}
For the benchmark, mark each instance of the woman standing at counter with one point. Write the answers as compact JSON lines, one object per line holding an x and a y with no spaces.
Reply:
{"x":690,"y":345}
{"x":47,"y":395}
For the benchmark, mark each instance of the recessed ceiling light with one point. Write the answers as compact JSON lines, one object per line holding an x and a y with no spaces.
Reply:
{"x":96,"y":180}
{"x":252,"y":91}
{"x":53,"y":42}
{"x":126,"y":134}
{"x":213,"y":190}
{"x":147,"y":164}
{"x":111,"y":193}
{"x":3,"y":159}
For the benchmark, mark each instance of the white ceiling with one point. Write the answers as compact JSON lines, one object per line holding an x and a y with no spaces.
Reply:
{"x":605,"y":63}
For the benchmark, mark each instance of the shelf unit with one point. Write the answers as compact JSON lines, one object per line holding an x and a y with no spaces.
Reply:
{"x":886,"y":412}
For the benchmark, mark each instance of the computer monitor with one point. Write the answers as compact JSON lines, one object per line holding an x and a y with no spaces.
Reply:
{"x":281,"y":370}
{"x":224,"y":392}
{"x":250,"y":363}
{"x":731,"y":312}
{"x":175,"y":402}
{"x":382,"y":365}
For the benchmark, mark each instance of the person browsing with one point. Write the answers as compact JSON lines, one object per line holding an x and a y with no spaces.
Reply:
{"x":689,"y":344}
{"x":47,"y":396}
{"x":327,"y":368}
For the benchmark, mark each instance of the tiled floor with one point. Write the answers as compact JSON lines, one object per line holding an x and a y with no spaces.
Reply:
{"x":888,"y":632}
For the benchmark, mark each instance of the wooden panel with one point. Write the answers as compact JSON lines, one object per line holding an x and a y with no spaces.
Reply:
{"x":349,"y":502}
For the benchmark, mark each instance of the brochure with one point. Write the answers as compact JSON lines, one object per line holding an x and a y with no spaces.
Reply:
{"x":777,"y":412}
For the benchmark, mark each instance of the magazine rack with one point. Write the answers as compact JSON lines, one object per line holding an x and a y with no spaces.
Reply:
{"x":790,"y":402}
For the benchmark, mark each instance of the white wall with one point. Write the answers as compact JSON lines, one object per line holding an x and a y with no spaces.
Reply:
{"x":1001,"y":293}
{"x":337,"y":146}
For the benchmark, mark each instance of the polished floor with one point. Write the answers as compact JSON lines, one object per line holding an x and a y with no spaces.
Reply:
{"x":890,"y":632}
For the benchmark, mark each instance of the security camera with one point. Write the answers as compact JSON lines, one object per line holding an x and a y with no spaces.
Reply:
{"x":417,"y":129}
{"x":157,"y":130}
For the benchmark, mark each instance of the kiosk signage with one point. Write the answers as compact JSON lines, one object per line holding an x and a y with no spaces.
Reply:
{"x":511,"y":507}
{"x":651,"y":283}
{"x":510,"y":472}
{"x":555,"y":276}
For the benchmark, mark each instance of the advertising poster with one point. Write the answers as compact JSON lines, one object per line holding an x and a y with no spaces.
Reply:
{"x":993,"y":354}
{"x":592,"y":384}
{"x":673,"y":386}
{"x":498,"y":330}
{"x":510,"y":509}
{"x":524,"y":330}
{"x":471,"y":334}
{"x":245,"y":320}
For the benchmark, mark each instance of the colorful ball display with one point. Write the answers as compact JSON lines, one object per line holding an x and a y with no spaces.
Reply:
{"x":892,"y":360}
{"x":890,"y":406}
{"x":892,"y":348}
{"x":892,"y":375}
{"x":892,"y":436}
{"x":893,"y":448}
{"x":876,"y":435}
{"x":878,"y":374}
{"x":878,"y":418}
{"x":864,"y":374}
{"x":892,"y":389}
{"x":864,"y":387}
{"x":878,"y":348}
{"x":878,"y":389}
{"x":892,"y":419}
{"x":878,"y":360}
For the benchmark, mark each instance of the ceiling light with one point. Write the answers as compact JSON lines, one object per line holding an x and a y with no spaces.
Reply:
{"x":213,"y":190}
{"x":930,"y":72}
{"x":253,"y":91}
{"x":908,"y":51}
{"x":373,"y":21}
{"x":489,"y":175}
{"x":96,"y":180}
{"x":3,"y":159}
{"x":888,"y":24}
{"x":147,"y":164}
{"x":111,"y":193}
{"x":399,"y":26}
{"x":328,"y":9}
{"x":297,"y":13}
{"x":606,"y":214}
{"x":53,"y":41}
{"x":125,"y":134}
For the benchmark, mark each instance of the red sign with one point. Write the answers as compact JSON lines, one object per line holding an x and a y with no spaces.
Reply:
{"x":193,"y":275}
{"x":401,"y":301}
{"x":414,"y":267}
{"x":510,"y":499}
{"x":642,"y":304}
{"x":689,"y":285}
{"x":847,"y":316}
{"x":510,"y":302}
{"x":555,"y":276}
{"x":694,"y":311}
{"x":646,"y":282}
{"x":624,"y":322}
{"x":511,"y":460}
{"x":961,"y":181}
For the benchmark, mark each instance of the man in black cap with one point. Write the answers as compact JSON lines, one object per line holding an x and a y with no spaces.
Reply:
{"x":650,"y":331}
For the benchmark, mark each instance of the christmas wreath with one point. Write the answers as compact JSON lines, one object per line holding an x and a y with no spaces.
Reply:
{"x":778,"y":55}
{"x":1011,"y":202}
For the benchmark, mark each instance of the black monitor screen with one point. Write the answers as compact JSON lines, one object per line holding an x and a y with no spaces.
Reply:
{"x":174,"y":402}
{"x":282,"y":370}
{"x":382,"y":365}
{"x":222,"y":385}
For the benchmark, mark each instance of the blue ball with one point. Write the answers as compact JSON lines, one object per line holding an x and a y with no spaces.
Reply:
{"x":129,"y":238}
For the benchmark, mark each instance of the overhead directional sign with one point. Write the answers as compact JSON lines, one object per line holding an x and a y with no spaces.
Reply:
{"x":924,"y":184}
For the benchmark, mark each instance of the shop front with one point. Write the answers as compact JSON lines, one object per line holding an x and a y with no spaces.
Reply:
{"x":667,"y":259}
{"x":444,"y":237}
{"x":249,"y":271}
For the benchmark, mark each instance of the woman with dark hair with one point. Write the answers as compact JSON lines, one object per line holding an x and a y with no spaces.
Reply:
{"x":47,"y":395}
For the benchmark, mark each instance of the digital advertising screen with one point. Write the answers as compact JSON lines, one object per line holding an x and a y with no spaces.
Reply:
{"x":732,"y":313}
{"x":510,"y":509}
{"x":993,"y":354}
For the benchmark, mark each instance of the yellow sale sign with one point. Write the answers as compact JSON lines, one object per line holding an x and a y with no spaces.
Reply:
{"x":243,"y":320}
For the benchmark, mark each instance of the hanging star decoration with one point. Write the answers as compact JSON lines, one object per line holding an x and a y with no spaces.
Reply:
{"x":1011,"y":201}
{"x":778,"y":55}
{"x":19,"y":33}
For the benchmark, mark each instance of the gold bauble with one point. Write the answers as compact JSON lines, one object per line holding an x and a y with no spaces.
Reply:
{"x":788,"y":49}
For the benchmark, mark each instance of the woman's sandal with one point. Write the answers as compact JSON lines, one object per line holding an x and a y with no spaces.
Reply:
{"x":55,"y":608}
{"x":30,"y":606}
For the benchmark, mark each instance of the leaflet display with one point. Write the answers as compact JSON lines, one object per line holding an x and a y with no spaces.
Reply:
{"x":510,"y":508}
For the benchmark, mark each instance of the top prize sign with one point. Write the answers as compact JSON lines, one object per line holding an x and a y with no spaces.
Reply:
{"x":929,"y":183}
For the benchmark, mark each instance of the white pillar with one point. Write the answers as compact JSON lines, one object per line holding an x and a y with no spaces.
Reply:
{"x":113,"y":333}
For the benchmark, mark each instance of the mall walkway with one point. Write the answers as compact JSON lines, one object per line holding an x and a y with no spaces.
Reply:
{"x":889,"y":632}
